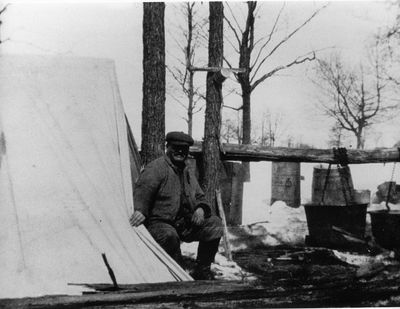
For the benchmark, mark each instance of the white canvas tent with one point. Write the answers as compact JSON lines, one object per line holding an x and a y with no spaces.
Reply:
{"x":65,"y":181}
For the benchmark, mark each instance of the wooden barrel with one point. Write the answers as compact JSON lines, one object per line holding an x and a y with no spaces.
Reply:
{"x":339,"y":190}
{"x":285,"y":184}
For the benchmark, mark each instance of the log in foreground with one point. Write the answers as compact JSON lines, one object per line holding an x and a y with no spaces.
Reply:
{"x":221,"y":294}
{"x":237,"y":152}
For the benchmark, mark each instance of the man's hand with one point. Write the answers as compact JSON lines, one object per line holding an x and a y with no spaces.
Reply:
{"x":137,"y":218}
{"x":198,"y":216}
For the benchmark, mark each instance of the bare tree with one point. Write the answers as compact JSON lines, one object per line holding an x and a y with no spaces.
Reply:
{"x":183,"y":74}
{"x":2,"y":10}
{"x":212,"y":125}
{"x":336,"y":135}
{"x":231,"y":131}
{"x":255,"y":53}
{"x":271,"y":128}
{"x":153,"y":106}
{"x":354,"y":96}
{"x":388,"y":42}
{"x":290,"y":141}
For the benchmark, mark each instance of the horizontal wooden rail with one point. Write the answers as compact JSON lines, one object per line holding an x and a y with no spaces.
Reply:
{"x":237,"y":152}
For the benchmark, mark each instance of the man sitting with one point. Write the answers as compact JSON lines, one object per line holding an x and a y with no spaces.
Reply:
{"x":171,"y":204}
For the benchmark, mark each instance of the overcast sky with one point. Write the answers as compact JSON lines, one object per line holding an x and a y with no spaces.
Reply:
{"x":104,"y":30}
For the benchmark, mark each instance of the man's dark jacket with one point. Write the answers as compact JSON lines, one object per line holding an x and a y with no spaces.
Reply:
{"x":158,"y":193}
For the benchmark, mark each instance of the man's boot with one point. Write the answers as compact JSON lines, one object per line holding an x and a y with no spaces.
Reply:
{"x":202,"y":272}
{"x":205,"y":256}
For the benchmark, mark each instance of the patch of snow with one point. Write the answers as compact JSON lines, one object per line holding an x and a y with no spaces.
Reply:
{"x":361,"y":259}
{"x":284,"y":225}
{"x":229,"y":270}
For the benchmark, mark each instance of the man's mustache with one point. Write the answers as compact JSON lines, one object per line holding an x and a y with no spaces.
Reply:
{"x":180,"y":152}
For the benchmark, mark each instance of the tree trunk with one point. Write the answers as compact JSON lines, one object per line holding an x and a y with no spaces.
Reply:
{"x":189,"y":60}
{"x":359,"y":138}
{"x":246,"y":47}
{"x":246,"y":99}
{"x":246,"y":116}
{"x":359,"y":142}
{"x":153,"y":106}
{"x":211,"y":152}
{"x":190,"y":107}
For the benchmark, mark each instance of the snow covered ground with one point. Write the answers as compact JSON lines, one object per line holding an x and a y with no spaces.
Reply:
{"x":278,"y":224}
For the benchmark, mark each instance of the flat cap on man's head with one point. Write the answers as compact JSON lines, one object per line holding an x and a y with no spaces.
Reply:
{"x":179,"y":138}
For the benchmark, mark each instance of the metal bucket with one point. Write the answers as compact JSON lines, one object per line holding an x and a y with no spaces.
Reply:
{"x":385,"y":227}
{"x":321,"y":221}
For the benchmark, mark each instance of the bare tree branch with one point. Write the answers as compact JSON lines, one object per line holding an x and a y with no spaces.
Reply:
{"x":270,"y":35}
{"x":178,"y":76}
{"x":177,"y":100}
{"x":198,"y":110}
{"x":233,"y":30}
{"x":176,"y":58}
{"x":230,"y":91}
{"x":227,"y":38}
{"x":4,"y":8}
{"x":234,"y":108}
{"x":234,"y":19}
{"x":231,"y":67}
{"x":298,"y":60}
{"x":284,"y":40}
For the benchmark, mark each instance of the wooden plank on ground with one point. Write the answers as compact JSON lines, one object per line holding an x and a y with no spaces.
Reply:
{"x":226,"y":294}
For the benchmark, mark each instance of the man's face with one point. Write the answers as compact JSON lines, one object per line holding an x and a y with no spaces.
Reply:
{"x":177,"y":153}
